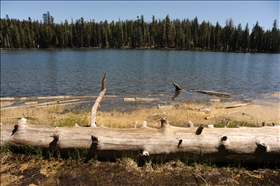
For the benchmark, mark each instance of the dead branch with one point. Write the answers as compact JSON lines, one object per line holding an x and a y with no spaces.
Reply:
{"x":177,"y":87}
{"x":97,"y":102}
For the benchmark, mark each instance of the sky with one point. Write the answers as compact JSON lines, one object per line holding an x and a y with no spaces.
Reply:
{"x":241,"y":12}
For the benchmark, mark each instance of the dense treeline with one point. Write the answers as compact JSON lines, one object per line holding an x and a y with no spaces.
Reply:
{"x":166,"y":33}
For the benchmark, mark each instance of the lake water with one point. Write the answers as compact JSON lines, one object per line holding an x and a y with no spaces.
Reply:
{"x":36,"y":72}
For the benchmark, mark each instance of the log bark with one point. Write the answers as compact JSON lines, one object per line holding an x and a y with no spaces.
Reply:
{"x":218,"y":144}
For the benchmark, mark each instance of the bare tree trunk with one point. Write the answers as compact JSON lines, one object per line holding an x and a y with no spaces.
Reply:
{"x":97,"y":102}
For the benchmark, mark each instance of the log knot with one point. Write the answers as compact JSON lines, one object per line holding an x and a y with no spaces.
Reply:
{"x":179,"y":143}
{"x":15,"y":129}
{"x":94,"y":139}
{"x":144,"y":124}
{"x":224,"y":141}
{"x":55,"y":136}
{"x":262,"y":147}
{"x":164,"y":122}
{"x":22,"y":121}
{"x":190,"y":124}
{"x":93,"y":148}
{"x":224,"y":138}
{"x":145,"y":153}
{"x":53,"y":144}
{"x":199,"y":130}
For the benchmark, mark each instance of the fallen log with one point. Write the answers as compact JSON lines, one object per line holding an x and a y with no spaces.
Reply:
{"x":49,"y":98}
{"x":246,"y":144}
{"x":136,"y":99}
{"x":215,"y":100}
{"x":42,"y":105}
{"x":31,"y":103}
{"x":165,"y":106}
{"x":236,"y":105}
{"x":213,"y":93}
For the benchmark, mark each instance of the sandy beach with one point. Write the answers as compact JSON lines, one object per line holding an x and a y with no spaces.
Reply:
{"x":214,"y":111}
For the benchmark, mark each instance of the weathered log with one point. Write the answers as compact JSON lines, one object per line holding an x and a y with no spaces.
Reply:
{"x":215,"y":100}
{"x":236,"y":105}
{"x":165,"y":106}
{"x":42,"y":105}
{"x":49,"y":98}
{"x":218,"y":94}
{"x":31,"y":103}
{"x":136,"y":99}
{"x":218,"y":144}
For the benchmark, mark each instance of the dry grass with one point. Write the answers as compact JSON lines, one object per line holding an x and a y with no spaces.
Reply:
{"x":179,"y":114}
{"x":19,"y":169}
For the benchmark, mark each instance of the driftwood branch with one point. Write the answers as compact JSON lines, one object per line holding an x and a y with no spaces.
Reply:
{"x":48,"y":98}
{"x":177,"y":87}
{"x":219,"y":94}
{"x":178,"y":90}
{"x":236,"y":105}
{"x":97,"y":102}
{"x":136,"y":99}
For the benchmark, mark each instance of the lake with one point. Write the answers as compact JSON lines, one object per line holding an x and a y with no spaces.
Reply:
{"x":52,"y":72}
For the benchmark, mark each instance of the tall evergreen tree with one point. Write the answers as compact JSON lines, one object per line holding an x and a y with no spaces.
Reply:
{"x":229,"y":29}
{"x":245,"y":39}
{"x":256,"y":38}
{"x":218,"y":37}
{"x":275,"y":38}
{"x":194,"y":32}
{"x":48,"y":19}
{"x":237,"y":39}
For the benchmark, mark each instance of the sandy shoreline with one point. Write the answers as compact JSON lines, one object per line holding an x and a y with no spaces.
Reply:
{"x":253,"y":112}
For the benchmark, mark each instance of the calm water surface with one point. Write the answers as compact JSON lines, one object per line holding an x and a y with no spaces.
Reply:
{"x":135,"y":72}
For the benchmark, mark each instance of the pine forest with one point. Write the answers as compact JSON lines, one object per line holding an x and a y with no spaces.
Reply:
{"x":164,"y":33}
